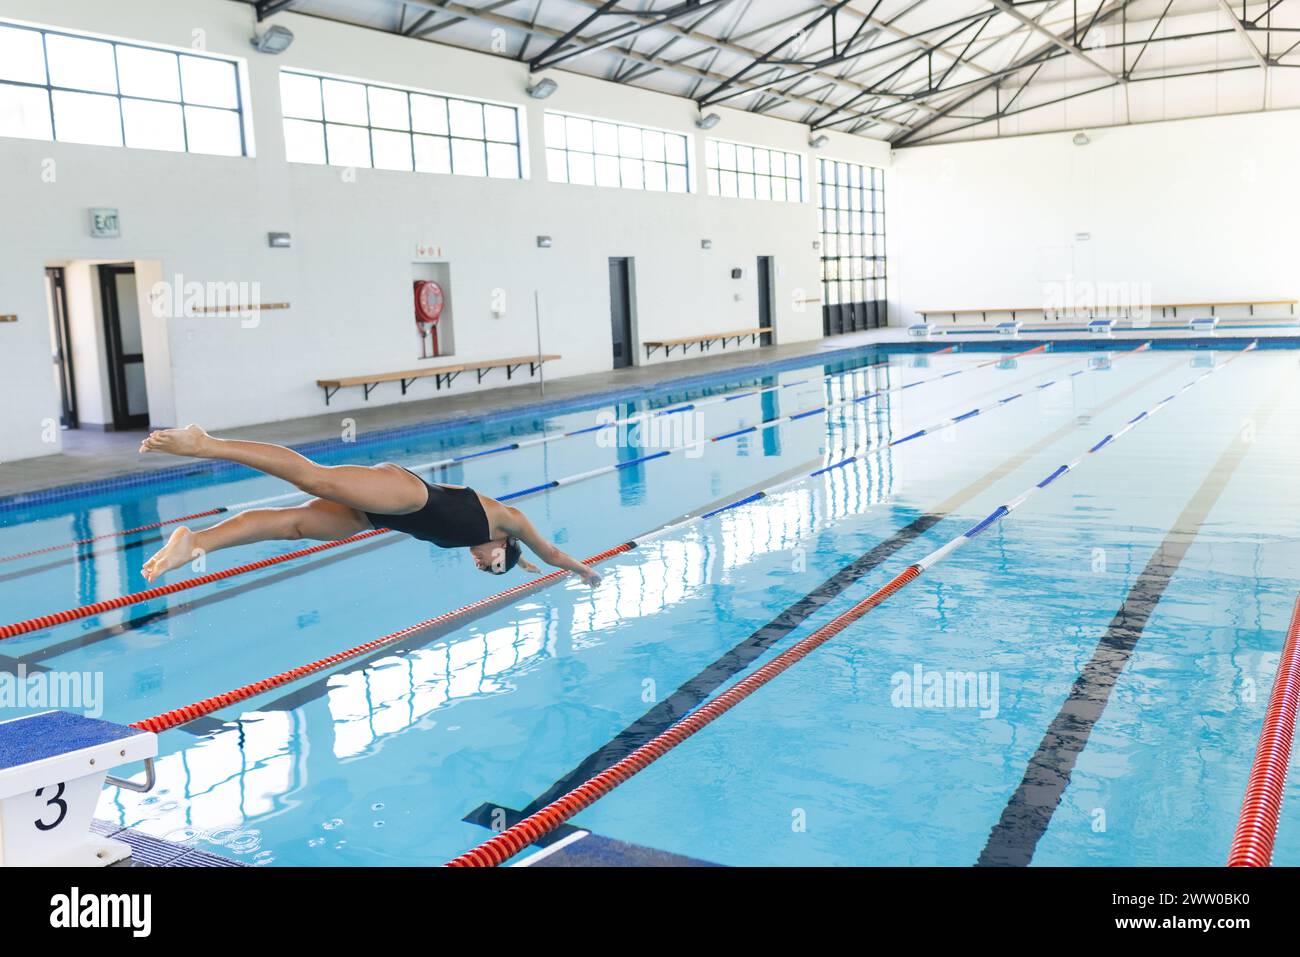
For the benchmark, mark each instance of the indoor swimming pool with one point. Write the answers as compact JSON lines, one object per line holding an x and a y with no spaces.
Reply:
{"x":922,"y":734}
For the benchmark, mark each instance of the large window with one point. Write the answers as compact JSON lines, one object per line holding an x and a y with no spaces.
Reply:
{"x":597,"y":153}
{"x":851,"y":213}
{"x":346,"y":123}
{"x":737,"y":171}
{"x":79,"y":89}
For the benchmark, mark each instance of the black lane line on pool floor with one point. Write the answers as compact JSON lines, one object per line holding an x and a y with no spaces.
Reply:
{"x":1027,"y":815}
{"x":695,"y":690}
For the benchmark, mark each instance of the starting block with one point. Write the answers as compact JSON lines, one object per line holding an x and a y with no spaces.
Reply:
{"x":921,"y":330}
{"x":1205,"y":324}
{"x":53,"y":767}
{"x":1102,"y":327}
{"x":1011,"y":328}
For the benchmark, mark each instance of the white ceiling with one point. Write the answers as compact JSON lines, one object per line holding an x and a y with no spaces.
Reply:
{"x":910,"y":71}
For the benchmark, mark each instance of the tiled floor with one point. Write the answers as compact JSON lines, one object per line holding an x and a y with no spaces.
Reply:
{"x":90,"y":455}
{"x":148,"y":851}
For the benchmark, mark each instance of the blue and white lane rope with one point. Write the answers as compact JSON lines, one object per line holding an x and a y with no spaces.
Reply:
{"x":792,"y":417}
{"x":642,"y":416}
{"x":1002,"y":511}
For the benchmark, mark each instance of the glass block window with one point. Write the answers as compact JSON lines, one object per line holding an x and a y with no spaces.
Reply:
{"x":851,"y":216}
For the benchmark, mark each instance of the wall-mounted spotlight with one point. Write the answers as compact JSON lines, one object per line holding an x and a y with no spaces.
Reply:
{"x":817,"y":142}
{"x":275,"y":40}
{"x":708,"y":122}
{"x":545,"y":242}
{"x":279,"y":240}
{"x":706,"y":243}
{"x":542,"y":88}
{"x":1081,"y":139}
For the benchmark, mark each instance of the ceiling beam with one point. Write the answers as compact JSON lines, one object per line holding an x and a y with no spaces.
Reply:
{"x":1245,"y":37}
{"x":1065,"y":45}
{"x":550,"y":33}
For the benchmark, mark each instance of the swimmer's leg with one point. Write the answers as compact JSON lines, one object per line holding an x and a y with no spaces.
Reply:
{"x":383,"y":488}
{"x":318,"y":519}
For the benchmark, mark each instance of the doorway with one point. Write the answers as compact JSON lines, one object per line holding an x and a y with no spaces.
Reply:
{"x":56,"y":301}
{"x":125,"y":347}
{"x":766,"y":297}
{"x":620,"y":309}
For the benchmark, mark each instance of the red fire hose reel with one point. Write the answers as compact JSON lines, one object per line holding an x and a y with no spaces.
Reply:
{"x":429,"y":302}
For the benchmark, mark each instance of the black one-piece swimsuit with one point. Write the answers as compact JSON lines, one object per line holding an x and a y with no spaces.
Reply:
{"x":450,"y":518}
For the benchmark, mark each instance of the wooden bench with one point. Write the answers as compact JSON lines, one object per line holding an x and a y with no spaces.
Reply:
{"x":441,"y":375}
{"x":667,"y":345}
{"x":1249,"y":303}
{"x":1125,"y":310}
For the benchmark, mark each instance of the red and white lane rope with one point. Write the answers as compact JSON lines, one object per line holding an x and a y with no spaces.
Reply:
{"x":1252,"y":843}
{"x":179,"y":716}
{"x":122,"y":601}
{"x":118,"y":534}
{"x":505,"y":845}
{"x":513,"y":446}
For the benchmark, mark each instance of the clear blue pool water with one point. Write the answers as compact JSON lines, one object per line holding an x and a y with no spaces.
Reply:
{"x":382,"y":761}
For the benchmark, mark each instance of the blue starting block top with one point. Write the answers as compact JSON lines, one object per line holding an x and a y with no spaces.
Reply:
{"x":54,"y":733}
{"x":1101,"y":323}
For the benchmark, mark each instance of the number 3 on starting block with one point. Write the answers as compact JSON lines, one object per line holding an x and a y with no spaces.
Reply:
{"x":53,"y":767}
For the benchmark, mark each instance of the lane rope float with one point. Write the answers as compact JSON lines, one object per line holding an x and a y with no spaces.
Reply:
{"x":506,"y":844}
{"x":514,"y":446}
{"x":57,"y":618}
{"x":122,"y":601}
{"x":1252,"y":842}
{"x":119,"y":534}
{"x":179,"y":716}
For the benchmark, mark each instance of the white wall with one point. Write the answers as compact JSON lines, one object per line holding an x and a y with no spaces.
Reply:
{"x":1193,"y":210}
{"x":347,"y":276}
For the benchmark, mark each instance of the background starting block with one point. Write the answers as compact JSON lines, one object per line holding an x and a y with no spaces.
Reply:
{"x":53,"y":767}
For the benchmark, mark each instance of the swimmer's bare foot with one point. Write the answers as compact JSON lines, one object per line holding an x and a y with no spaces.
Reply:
{"x":178,"y":550}
{"x":187,"y":441}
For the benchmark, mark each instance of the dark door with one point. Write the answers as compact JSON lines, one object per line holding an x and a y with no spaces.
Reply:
{"x":620,"y":309}
{"x":61,"y":340}
{"x":766,"y":295}
{"x":125,"y":347}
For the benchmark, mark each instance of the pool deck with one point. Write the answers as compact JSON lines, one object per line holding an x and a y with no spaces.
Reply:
{"x":91,"y":456}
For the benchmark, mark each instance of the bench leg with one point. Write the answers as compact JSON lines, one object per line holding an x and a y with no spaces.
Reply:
{"x":329,"y":393}
{"x":369,"y":387}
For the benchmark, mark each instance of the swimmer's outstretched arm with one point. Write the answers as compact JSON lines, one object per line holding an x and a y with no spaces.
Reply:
{"x":514,"y":522}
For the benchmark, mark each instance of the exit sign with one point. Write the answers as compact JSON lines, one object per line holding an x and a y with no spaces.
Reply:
{"x":104,"y":223}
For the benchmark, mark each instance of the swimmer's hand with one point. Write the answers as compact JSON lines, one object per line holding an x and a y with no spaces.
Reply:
{"x":588,"y":576}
